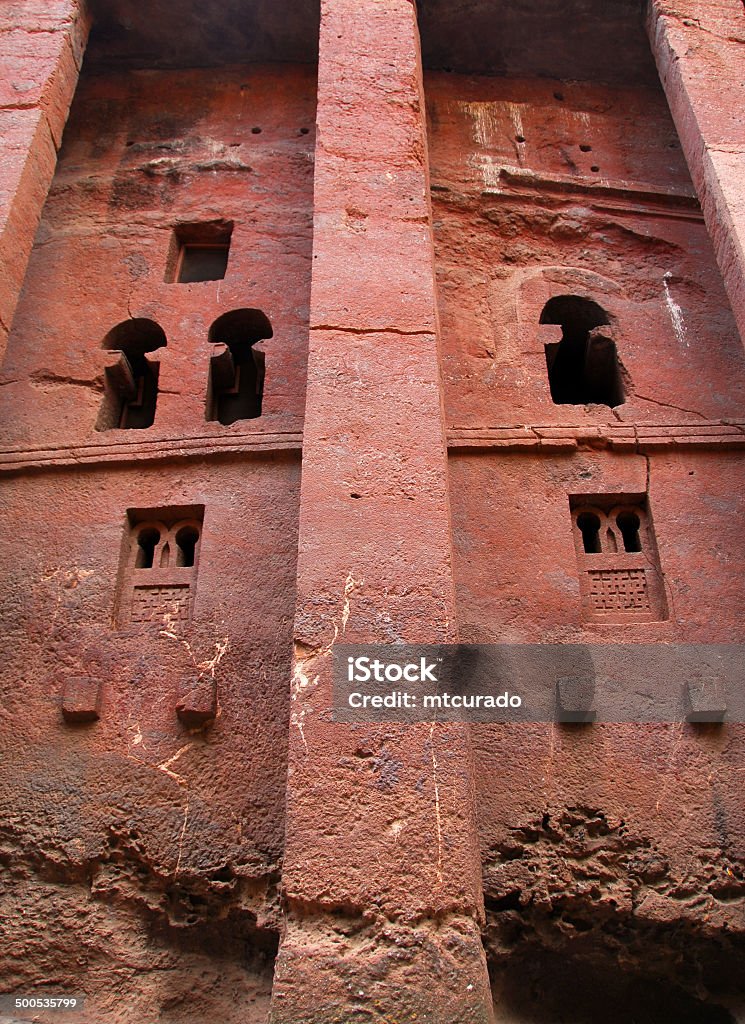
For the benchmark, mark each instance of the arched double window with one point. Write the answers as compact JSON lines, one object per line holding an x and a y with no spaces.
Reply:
{"x":156,"y":545}
{"x":159,"y":568}
{"x":611,"y":532}
{"x":619,"y":569}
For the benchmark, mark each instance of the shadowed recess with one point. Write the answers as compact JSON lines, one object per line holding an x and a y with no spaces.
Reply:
{"x":191,"y":33}
{"x":576,"y":40}
{"x":131,"y":384}
{"x":583,"y":367}
{"x":236,"y":383}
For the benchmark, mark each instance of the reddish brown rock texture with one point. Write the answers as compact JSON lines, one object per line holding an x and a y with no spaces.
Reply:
{"x":381,"y":871}
{"x":154,"y":835}
{"x":420,"y":211}
{"x":42,"y":46}
{"x":698,"y":48}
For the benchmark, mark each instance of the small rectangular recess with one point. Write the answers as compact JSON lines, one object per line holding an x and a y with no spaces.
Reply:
{"x":202,"y":263}
{"x":199,"y":252}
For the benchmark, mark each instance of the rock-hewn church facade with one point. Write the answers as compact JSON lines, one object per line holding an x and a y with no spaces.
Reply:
{"x":373,"y":321}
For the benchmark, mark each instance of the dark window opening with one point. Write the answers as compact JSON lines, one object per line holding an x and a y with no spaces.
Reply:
{"x":186,"y":543}
{"x":139,"y":413}
{"x":583,"y":367}
{"x":199,"y":252}
{"x":203,"y":263}
{"x":147,"y":542}
{"x":236,"y":384}
{"x":131,"y":385}
{"x":628,"y":524}
{"x":589,"y":526}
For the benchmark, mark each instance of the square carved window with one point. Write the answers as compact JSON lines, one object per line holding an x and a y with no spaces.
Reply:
{"x":160,"y":559}
{"x":619,"y":567}
{"x":199,"y":252}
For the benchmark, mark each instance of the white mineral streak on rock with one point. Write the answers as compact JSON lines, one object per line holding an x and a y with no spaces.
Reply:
{"x":676,"y":313}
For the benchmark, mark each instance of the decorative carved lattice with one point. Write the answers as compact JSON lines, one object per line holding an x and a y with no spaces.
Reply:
{"x":619,"y":590}
{"x":168,"y":606}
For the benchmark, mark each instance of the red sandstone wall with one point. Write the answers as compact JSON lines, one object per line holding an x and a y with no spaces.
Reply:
{"x":131,"y":168}
{"x":518,"y":222}
{"x":154,"y":849}
{"x":532,"y":590}
{"x":698,"y":48}
{"x":144,"y":856}
{"x":41,"y":49}
{"x":606,"y":838}
{"x":120,"y":833}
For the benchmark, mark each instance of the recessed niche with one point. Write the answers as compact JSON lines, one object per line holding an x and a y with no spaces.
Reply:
{"x":620,"y":576}
{"x":159,"y":564}
{"x":583,"y":367}
{"x":236,"y":378}
{"x":199,"y":252}
{"x":131,"y":383}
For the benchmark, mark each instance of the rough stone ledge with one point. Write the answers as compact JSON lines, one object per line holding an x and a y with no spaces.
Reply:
{"x":518,"y":183}
{"x":21,"y":460}
{"x":636,"y":438}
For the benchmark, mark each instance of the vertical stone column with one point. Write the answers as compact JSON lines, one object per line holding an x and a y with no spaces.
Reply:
{"x":699,"y":46}
{"x":41,"y":50}
{"x":382,"y":880}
